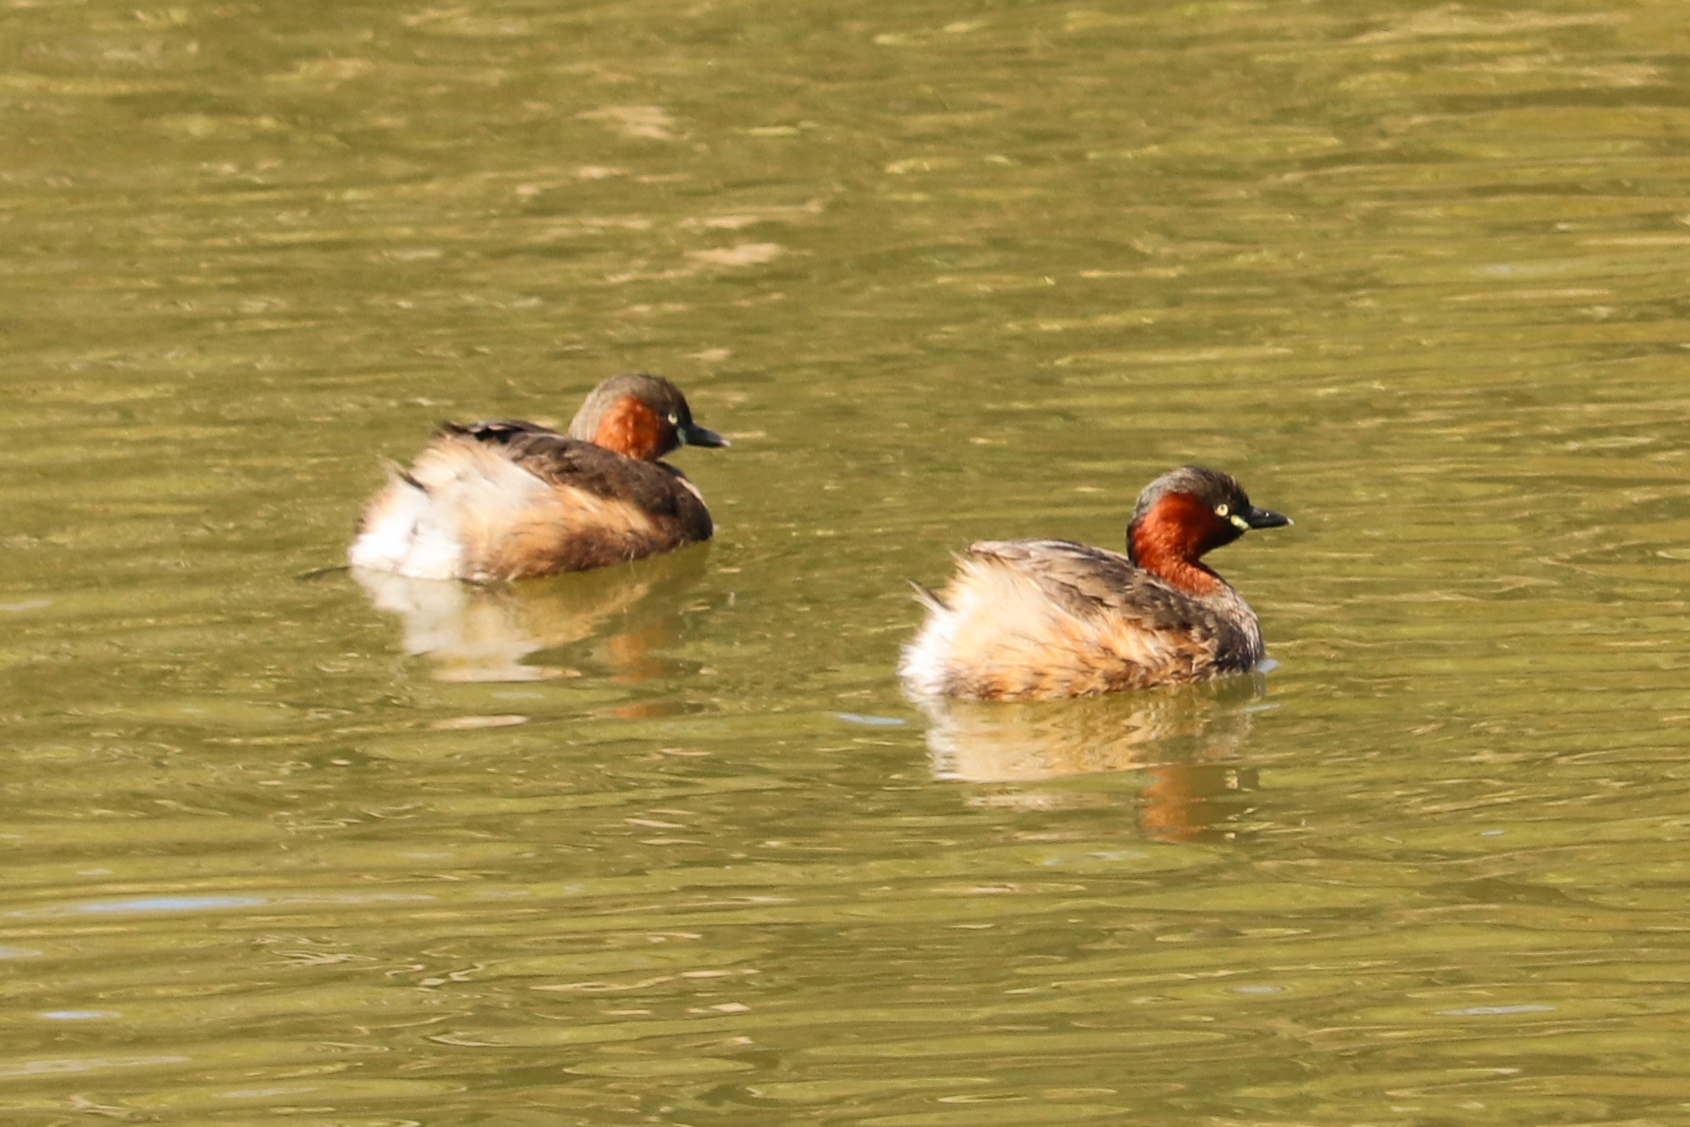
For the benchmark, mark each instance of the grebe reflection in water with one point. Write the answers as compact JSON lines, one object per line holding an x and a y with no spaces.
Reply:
{"x":1184,"y":745}
{"x":484,"y":633}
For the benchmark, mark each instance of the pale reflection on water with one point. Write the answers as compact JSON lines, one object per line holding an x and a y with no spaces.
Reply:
{"x":1186,"y":743}
{"x":475,"y":633}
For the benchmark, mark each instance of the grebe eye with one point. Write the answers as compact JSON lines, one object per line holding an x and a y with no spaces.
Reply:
{"x":1221,"y":510}
{"x":674,"y":419}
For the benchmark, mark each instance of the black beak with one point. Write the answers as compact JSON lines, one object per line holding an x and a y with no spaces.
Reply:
{"x":1265,"y":518}
{"x":694,"y":435}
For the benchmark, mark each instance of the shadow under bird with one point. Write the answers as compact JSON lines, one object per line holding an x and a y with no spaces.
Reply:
{"x":1045,"y":619}
{"x":506,"y":499}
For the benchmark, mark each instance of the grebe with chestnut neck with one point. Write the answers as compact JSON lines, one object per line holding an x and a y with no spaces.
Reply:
{"x":506,"y":499}
{"x":1045,"y":619}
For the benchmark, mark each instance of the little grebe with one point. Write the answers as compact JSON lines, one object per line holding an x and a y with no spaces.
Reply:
{"x":1043,"y":619}
{"x":507,"y":499}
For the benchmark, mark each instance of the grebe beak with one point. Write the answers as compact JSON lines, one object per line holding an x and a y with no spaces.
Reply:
{"x":695,"y":435}
{"x":1262,"y":518}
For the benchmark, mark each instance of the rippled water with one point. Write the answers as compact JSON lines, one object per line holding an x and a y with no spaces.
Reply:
{"x":664,"y":843}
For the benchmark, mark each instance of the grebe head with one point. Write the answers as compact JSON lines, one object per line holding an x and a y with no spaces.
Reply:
{"x":639,"y":416}
{"x":1183,"y":514}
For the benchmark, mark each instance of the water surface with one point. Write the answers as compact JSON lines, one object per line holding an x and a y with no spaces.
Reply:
{"x":667,"y":844}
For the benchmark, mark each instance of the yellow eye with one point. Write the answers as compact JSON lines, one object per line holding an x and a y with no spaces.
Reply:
{"x":675,"y":420}
{"x":1221,"y":510}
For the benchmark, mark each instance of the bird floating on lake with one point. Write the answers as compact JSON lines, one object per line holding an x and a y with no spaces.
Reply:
{"x":1044,"y":619}
{"x":506,"y":499}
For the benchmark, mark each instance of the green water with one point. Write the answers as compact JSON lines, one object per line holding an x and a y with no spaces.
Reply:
{"x":666,"y":844}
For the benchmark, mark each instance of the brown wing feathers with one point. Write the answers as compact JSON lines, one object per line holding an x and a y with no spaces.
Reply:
{"x":656,"y":487}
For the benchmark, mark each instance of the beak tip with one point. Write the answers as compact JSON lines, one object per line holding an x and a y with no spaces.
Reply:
{"x":700,"y":436}
{"x":1267,"y":518}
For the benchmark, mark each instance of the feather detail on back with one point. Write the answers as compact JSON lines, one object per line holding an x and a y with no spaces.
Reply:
{"x":507,"y":499}
{"x":927,"y":597}
{"x":401,"y":531}
{"x":1040,"y":619}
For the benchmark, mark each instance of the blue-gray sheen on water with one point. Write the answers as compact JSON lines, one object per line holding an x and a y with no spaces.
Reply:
{"x":665,"y":843}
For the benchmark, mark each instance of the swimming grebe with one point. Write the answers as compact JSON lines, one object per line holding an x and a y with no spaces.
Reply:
{"x":1043,"y":619}
{"x":507,"y":499}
